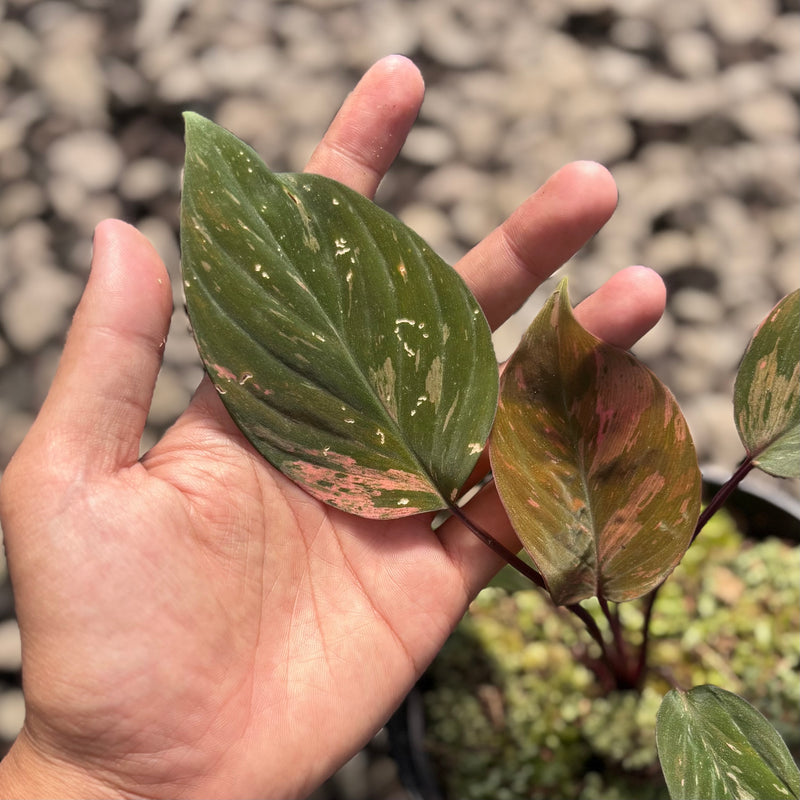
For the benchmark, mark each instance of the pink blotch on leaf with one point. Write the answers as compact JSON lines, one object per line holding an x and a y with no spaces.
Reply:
{"x":355,"y":488}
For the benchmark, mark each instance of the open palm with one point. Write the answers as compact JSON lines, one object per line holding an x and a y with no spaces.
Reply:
{"x":193,"y":623}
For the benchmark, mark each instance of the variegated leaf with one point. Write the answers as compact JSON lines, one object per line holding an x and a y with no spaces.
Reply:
{"x":766,"y":396}
{"x":351,"y":356}
{"x":714,"y":745}
{"x":593,"y":461}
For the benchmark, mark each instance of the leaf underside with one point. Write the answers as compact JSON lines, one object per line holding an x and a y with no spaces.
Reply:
{"x":349,"y":354}
{"x":593,"y":461}
{"x":766,"y":395}
{"x":713,"y":744}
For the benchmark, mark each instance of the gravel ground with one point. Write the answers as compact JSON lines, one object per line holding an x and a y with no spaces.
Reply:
{"x":693,"y":104}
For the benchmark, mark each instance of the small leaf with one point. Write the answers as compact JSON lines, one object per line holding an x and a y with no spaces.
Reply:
{"x":351,"y":356}
{"x":593,"y":461}
{"x":766,"y":398}
{"x":714,"y":745}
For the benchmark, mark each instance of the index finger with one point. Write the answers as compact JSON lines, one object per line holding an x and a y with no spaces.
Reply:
{"x":368,"y":131}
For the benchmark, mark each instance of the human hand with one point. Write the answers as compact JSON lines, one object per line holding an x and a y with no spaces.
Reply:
{"x":194,"y":624}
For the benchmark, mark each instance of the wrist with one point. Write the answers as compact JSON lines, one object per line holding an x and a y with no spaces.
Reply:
{"x":26,"y":772}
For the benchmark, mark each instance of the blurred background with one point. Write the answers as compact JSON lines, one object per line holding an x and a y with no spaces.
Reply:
{"x":692,"y":104}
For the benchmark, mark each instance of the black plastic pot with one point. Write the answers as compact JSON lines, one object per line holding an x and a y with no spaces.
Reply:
{"x":759,"y":512}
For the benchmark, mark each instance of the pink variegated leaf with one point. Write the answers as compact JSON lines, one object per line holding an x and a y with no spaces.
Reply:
{"x":349,"y":354}
{"x":766,"y":398}
{"x":593,"y":461}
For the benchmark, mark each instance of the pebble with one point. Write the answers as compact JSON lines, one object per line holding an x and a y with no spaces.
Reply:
{"x":170,"y":397}
{"x":146,"y":179}
{"x":772,"y":115}
{"x":692,"y":54}
{"x":447,"y":40}
{"x":694,"y":306}
{"x":12,"y":714}
{"x":14,"y":424}
{"x":428,"y":146}
{"x":432,"y":224}
{"x":662,"y":99}
{"x":20,"y":201}
{"x":710,"y":419}
{"x":91,"y":158}
{"x":739,"y":21}
{"x":10,"y":646}
{"x":38,"y":307}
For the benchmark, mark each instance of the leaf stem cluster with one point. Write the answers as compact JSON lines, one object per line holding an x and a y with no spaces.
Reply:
{"x":627,"y":669}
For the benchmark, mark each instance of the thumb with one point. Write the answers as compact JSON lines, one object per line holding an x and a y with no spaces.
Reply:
{"x":95,"y":411}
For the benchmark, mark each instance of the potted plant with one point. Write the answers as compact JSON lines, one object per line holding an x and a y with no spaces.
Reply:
{"x":515,"y":705}
{"x":359,"y":364}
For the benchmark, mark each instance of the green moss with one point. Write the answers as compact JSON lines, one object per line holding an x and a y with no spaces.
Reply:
{"x":518,"y":715}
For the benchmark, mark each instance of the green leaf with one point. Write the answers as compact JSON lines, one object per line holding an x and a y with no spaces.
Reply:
{"x":593,"y":461}
{"x":714,"y":745}
{"x":766,"y":397}
{"x":351,"y":356}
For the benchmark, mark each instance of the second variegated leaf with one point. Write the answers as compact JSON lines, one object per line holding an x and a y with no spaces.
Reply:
{"x":593,"y":461}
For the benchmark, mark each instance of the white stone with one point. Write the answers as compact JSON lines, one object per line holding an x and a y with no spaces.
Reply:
{"x":692,"y":54}
{"x":12,"y":714}
{"x":659,"y":98}
{"x":38,"y":307}
{"x":170,"y":398}
{"x":91,"y":157}
{"x":10,"y":646}
{"x":773,"y":115}
{"x":19,"y":201}
{"x":146,"y":178}
{"x":695,"y":306}
{"x":738,"y":21}
{"x":710,"y":419}
{"x":656,"y":342}
{"x":428,"y":145}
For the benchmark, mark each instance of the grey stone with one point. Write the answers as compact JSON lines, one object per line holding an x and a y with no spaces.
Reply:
{"x":695,"y":306}
{"x":786,"y":265}
{"x":771,"y":115}
{"x":657,"y":342}
{"x":19,"y":47}
{"x":710,"y":419}
{"x":180,"y":350}
{"x":737,"y":21}
{"x":19,"y":201}
{"x":157,"y":19}
{"x":429,"y":146}
{"x":14,"y":425}
{"x":170,"y":398}
{"x":91,"y":158}
{"x":10,"y":646}
{"x":712,"y":349}
{"x":84,"y":210}
{"x":668,"y":251}
{"x":658,"y":98}
{"x":67,"y":69}
{"x":446,"y":38}
{"x":692,"y":54}
{"x":146,"y":179}
{"x":38,"y":307}
{"x":431,"y":223}
{"x":12,"y":714}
